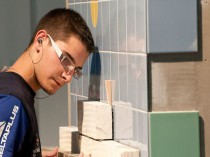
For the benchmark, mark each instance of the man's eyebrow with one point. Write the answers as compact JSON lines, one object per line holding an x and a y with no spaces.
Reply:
{"x":68,"y":54}
{"x":79,"y":68}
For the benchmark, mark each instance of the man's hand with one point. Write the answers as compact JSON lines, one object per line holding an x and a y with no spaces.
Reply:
{"x":81,"y":155}
{"x":52,"y":153}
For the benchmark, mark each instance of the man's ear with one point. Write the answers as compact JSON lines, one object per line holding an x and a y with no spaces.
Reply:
{"x":40,"y":40}
{"x":40,"y":36}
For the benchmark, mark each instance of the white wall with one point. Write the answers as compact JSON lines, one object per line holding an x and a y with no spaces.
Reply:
{"x":15,"y":29}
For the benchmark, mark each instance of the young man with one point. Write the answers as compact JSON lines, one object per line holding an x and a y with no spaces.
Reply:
{"x":58,"y":49}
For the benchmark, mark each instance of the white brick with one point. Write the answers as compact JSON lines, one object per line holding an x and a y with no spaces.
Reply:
{"x":68,"y":139}
{"x":123,"y":120}
{"x":107,"y":148}
{"x":95,"y":119}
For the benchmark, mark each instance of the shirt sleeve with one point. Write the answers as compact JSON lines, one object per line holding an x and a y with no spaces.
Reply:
{"x":13,"y":125}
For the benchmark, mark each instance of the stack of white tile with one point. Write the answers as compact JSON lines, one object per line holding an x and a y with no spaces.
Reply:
{"x":95,"y":129}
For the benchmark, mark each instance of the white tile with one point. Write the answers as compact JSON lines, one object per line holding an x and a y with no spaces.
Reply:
{"x":105,"y":14}
{"x":99,"y":28}
{"x":123,"y":120}
{"x":140,"y":133}
{"x":140,"y":29}
{"x":122,"y":19}
{"x":142,"y":84}
{"x":123,"y":77}
{"x":137,"y":81}
{"x":115,"y":73}
{"x":113,"y":26}
{"x":131,"y":25}
{"x":74,"y":121}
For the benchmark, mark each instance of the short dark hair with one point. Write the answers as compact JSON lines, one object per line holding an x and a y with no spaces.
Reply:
{"x":62,"y":23}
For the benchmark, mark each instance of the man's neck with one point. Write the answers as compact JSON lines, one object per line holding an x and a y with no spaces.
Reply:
{"x":25,"y":68}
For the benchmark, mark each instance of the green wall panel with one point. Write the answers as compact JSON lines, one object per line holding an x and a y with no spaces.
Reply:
{"x":174,"y":134}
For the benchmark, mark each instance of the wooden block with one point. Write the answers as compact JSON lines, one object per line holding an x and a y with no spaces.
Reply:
{"x":107,"y":148}
{"x":68,"y":139}
{"x":95,"y":119}
{"x":110,"y":90}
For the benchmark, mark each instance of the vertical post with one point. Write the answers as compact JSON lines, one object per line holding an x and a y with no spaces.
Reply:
{"x":67,"y":5}
{"x":110,"y":90}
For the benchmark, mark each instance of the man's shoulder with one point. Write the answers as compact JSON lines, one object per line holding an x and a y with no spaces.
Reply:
{"x":7,"y":98}
{"x":13,"y":124}
{"x":8,"y":104}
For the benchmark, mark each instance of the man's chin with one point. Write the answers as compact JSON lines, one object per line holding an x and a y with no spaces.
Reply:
{"x":50,"y":92}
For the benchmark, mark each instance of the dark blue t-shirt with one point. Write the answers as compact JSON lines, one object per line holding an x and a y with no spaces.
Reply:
{"x":18,"y":124}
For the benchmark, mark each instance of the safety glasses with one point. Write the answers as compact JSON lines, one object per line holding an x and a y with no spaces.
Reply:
{"x":66,"y":61}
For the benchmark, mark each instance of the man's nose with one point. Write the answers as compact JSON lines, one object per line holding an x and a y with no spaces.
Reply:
{"x":67,"y":77}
